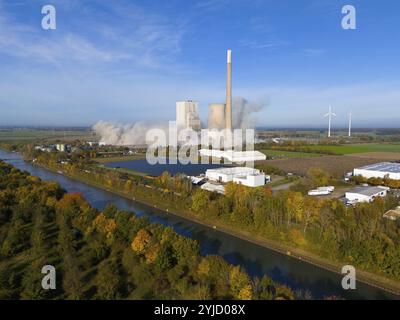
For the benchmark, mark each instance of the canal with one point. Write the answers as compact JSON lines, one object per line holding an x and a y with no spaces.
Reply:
{"x":255,"y":259}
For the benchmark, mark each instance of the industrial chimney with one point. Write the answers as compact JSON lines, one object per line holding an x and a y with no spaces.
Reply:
{"x":228,"y":111}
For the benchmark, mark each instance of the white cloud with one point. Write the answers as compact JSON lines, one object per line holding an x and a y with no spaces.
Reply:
{"x":125,"y":32}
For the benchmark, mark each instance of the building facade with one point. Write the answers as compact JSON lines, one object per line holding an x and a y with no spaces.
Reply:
{"x":187,"y":115}
{"x":242,"y":175}
{"x":365,"y":194}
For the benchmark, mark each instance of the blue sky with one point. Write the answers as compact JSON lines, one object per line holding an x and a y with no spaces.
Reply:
{"x":129,"y":61}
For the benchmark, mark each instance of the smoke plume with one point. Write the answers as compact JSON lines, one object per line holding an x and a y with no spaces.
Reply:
{"x":245,"y":112}
{"x":120,"y":135}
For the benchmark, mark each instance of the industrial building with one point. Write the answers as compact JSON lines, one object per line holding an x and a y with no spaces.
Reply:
{"x":61,"y":147}
{"x":213,"y":187}
{"x":242,"y":175}
{"x":382,"y":170}
{"x":220,"y":114}
{"x":365,"y":194}
{"x":187,"y":115}
{"x":234,"y":156}
{"x":321,"y":191}
{"x":216,"y":116}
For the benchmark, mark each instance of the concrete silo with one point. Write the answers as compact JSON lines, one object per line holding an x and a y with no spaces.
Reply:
{"x":216,"y":116}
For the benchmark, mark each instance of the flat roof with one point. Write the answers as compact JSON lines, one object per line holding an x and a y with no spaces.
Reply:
{"x":391,"y":167}
{"x":367,"y":191}
{"x":242,"y":171}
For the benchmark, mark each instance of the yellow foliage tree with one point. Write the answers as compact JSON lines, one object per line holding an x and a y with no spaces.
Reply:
{"x":141,"y":240}
{"x":204,"y":267}
{"x":152,"y":253}
{"x":240,"y":284}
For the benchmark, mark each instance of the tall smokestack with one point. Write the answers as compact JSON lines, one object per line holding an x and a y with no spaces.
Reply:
{"x":228,"y":111}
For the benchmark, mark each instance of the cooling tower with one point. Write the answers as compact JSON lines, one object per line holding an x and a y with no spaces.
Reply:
{"x":216,"y":116}
{"x":228,"y":113}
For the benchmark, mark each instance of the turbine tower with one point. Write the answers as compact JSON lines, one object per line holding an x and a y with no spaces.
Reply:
{"x":350,"y":115}
{"x":330,"y":114}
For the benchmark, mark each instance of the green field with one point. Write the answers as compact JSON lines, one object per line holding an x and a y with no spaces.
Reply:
{"x":288,"y":154}
{"x":17,"y":135}
{"x":121,"y":158}
{"x":359,"y":148}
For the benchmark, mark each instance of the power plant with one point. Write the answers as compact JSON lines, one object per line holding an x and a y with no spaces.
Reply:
{"x":220,"y":114}
{"x":228,"y":110}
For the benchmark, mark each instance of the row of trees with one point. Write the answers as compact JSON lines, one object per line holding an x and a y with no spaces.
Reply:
{"x":358,"y":235}
{"x":391,"y":183}
{"x":110,"y":254}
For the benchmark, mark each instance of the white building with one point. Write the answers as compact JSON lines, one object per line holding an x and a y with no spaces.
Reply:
{"x":379,"y":170}
{"x":321,"y":191}
{"x":234,"y":156}
{"x":187,"y":115}
{"x":213,"y":187}
{"x":242,"y":175}
{"x":365,"y":194}
{"x":61,"y":147}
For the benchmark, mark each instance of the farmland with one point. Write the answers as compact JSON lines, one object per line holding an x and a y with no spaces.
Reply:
{"x":335,"y":165}
{"x":277,"y":154}
{"x":21,"y":135}
{"x":358,"y":148}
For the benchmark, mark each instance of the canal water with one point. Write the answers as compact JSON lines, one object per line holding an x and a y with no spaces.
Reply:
{"x":255,"y":259}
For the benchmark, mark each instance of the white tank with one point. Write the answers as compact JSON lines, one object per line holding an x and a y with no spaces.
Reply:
{"x":216,"y":116}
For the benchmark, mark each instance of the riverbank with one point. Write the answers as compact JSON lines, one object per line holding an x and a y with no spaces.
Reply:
{"x":370,"y":279}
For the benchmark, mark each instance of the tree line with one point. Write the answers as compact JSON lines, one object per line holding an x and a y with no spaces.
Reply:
{"x":108,"y":254}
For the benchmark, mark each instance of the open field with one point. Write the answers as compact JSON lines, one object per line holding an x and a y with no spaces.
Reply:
{"x":288,"y":154}
{"x":18,"y":135}
{"x":335,"y":165}
{"x":120,"y":158}
{"x":382,"y":156}
{"x":359,"y":148}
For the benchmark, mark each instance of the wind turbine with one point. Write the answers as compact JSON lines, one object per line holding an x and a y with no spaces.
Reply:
{"x":330,"y":114}
{"x":350,"y":115}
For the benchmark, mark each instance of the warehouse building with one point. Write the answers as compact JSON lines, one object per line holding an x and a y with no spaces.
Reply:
{"x":365,"y":194}
{"x":382,"y":170}
{"x":242,"y":175}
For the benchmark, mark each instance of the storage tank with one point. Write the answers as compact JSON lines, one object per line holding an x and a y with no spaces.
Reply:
{"x":216,"y":116}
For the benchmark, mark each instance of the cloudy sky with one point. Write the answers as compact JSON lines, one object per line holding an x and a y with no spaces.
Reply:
{"x":129,"y":61}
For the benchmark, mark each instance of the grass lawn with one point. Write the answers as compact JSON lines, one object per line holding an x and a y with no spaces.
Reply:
{"x":121,"y":158}
{"x":288,"y":154}
{"x":360,"y":148}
